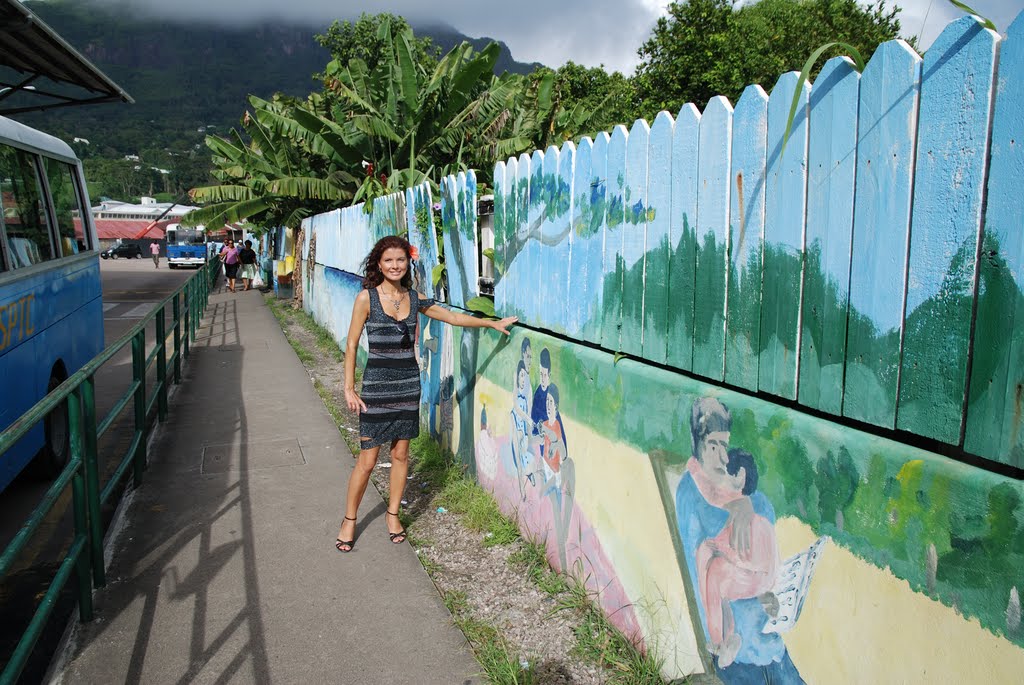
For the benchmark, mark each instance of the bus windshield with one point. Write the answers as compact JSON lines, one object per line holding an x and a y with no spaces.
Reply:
{"x":186,"y":236}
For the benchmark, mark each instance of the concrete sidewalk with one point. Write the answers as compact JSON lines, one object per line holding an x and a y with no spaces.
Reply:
{"x":225,"y":568}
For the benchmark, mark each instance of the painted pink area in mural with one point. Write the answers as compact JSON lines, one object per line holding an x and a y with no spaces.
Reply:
{"x":537,"y":514}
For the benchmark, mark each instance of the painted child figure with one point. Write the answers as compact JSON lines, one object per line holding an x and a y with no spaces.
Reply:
{"x":522,"y":427}
{"x":725,"y":575}
{"x":552,"y":439}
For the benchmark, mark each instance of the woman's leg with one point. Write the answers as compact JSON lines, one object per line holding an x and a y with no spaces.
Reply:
{"x":399,"y":471}
{"x":357,"y":482}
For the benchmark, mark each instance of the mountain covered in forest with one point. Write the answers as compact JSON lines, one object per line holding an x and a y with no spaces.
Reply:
{"x":189,"y":78}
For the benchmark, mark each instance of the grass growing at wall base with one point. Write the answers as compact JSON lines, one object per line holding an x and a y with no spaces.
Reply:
{"x":460,"y":494}
{"x":597,"y":640}
{"x":286,"y":315}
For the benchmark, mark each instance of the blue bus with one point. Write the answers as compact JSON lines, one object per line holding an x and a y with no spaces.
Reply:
{"x":51,"y":312}
{"x":186,"y":246}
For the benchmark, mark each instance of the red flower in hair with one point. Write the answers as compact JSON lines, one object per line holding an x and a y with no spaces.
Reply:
{"x":414,"y":254}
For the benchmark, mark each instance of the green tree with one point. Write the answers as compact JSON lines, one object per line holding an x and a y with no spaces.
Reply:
{"x":379,"y":130}
{"x":363,"y":40}
{"x":611,"y":98}
{"x":685,"y":59}
{"x":837,"y":479}
{"x":705,"y":48}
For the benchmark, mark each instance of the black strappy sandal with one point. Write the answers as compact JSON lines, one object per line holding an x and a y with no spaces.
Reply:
{"x":400,"y":534}
{"x":345,"y":543}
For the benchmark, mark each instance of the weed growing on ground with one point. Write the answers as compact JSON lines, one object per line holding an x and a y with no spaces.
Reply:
{"x":321,"y":336}
{"x":532,"y":557}
{"x":324,"y":340}
{"x":479,"y":511}
{"x":430,"y":463}
{"x":459,"y":494}
{"x":599,"y":641}
{"x":501,"y":665}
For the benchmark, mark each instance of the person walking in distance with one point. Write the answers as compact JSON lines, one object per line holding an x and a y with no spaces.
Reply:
{"x":229,"y":255}
{"x":154,"y":249}
{"x":247,"y":258}
{"x":389,"y":403}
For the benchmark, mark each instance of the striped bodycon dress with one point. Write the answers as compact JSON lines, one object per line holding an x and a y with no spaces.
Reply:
{"x":391,"y":381}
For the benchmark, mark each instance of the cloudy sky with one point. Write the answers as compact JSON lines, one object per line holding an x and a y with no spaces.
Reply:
{"x":589,"y":32}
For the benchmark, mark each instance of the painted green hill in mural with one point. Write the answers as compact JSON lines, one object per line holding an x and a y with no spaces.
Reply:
{"x":935,"y":532}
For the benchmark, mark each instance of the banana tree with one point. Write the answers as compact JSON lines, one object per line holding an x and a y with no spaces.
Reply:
{"x":373,"y":131}
{"x":271,"y":179}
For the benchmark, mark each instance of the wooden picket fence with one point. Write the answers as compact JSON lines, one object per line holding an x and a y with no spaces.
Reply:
{"x":872,"y":269}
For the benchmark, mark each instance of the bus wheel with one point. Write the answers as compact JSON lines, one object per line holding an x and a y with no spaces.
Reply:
{"x":57,"y":450}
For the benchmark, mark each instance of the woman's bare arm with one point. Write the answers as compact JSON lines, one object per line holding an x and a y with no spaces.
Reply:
{"x":439,"y":313}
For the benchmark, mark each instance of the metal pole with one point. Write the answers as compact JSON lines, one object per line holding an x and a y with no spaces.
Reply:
{"x":161,"y":365}
{"x":188,"y":319}
{"x":90,"y":457}
{"x":139,"y":372}
{"x":74,"y":404}
{"x":195,"y":311}
{"x":82,"y":563}
{"x":176,"y":311}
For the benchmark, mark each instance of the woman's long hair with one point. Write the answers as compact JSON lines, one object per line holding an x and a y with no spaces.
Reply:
{"x":371,"y":265}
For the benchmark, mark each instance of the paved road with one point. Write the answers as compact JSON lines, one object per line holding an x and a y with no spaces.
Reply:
{"x":132,"y":288}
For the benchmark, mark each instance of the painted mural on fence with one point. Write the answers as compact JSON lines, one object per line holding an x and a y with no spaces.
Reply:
{"x":997,"y":374}
{"x":543,"y":286}
{"x":330,"y":302}
{"x":420,"y":212}
{"x":578,"y":447}
{"x":700,"y":243}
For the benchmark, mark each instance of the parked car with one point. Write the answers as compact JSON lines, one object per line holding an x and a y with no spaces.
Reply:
{"x":127,"y":250}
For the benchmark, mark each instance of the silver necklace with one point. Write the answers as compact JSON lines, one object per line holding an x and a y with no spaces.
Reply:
{"x":396,"y":303}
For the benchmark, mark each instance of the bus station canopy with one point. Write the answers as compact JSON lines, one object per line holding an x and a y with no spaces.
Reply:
{"x":39,"y":70}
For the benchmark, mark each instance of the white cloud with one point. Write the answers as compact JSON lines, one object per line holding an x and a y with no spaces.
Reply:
{"x":589,"y":32}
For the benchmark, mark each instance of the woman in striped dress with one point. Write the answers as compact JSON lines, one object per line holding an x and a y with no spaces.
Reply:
{"x":389,"y":404}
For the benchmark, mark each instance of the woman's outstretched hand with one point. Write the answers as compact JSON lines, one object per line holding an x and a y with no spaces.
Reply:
{"x":502,"y":325}
{"x":355,"y":403}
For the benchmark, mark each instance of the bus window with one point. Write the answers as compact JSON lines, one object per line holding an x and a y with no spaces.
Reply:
{"x":28,"y":231}
{"x":66,"y":206}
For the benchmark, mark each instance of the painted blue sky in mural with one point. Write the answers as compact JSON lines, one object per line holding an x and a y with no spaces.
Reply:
{"x":577,"y":30}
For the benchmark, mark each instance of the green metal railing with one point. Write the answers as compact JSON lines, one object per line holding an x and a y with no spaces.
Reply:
{"x":85,"y":553}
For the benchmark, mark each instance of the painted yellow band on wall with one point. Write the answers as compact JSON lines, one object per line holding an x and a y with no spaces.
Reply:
{"x":862,"y":624}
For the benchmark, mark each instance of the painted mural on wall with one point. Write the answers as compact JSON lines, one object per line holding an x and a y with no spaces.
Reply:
{"x":522,"y":449}
{"x":886,"y":529}
{"x":746,"y":597}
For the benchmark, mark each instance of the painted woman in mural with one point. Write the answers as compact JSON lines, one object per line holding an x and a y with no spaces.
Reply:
{"x":558,"y":469}
{"x":389,"y":402}
{"x":522,"y":428}
{"x":551,"y":439}
{"x":725,"y":575}
{"x":707,"y":505}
